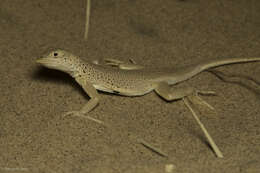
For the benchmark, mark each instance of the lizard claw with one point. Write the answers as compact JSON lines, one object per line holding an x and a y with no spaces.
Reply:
{"x":197,"y":99}
{"x":205,"y":92}
{"x":113,"y":62}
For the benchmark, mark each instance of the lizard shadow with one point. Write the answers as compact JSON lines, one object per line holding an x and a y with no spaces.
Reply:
{"x":58,"y":77}
{"x":44,"y":74}
{"x":242,"y":80}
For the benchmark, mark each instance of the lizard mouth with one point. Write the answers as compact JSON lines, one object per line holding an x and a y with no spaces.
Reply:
{"x":46,"y":62}
{"x":49,"y":63}
{"x":53,"y":64}
{"x":41,"y":61}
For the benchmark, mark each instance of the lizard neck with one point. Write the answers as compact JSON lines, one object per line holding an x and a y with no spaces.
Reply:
{"x":80,"y":68}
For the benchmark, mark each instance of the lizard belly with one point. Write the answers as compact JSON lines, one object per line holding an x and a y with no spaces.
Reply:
{"x":102,"y":88}
{"x":124,"y":91}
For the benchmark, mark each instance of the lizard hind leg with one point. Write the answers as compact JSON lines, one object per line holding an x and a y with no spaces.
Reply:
{"x":119,"y":64}
{"x":172,"y":93}
{"x":123,"y":65}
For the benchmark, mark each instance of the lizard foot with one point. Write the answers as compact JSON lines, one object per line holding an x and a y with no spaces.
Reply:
{"x":113,"y":62}
{"x":197,"y":99}
{"x":131,"y":65}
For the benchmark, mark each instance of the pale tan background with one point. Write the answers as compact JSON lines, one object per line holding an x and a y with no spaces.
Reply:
{"x":33,"y":133}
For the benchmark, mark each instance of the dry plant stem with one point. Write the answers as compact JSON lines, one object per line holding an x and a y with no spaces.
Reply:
{"x":211,"y":141}
{"x":95,"y":120}
{"x":152,"y":148}
{"x":87,"y":20}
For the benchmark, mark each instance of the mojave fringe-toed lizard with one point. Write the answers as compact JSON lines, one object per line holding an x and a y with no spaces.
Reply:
{"x":133,"y":80}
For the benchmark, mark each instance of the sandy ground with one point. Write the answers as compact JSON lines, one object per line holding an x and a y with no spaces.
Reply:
{"x":34,"y":137}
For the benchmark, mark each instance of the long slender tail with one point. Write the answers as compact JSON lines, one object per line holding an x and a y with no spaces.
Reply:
{"x":188,"y":72}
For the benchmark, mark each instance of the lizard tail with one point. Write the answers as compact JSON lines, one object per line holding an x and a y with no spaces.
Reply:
{"x":192,"y":70}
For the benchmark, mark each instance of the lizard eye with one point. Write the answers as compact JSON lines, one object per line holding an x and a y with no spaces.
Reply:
{"x":55,"y":54}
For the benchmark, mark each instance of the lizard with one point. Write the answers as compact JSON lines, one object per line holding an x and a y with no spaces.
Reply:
{"x":130,"y":79}
{"x":134,"y":80}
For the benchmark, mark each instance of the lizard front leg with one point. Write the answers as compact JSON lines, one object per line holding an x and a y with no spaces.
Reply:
{"x":91,"y":104}
{"x":167,"y":93}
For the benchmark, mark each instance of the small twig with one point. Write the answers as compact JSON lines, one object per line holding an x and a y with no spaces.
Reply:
{"x":152,"y":148}
{"x":84,"y":116}
{"x":87,"y":20}
{"x":211,"y":141}
{"x":94,"y":119}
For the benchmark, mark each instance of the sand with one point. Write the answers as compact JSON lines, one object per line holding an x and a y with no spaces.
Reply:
{"x":35,"y":137}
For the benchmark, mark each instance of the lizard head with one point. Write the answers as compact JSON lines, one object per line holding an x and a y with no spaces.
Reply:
{"x":60,"y":60}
